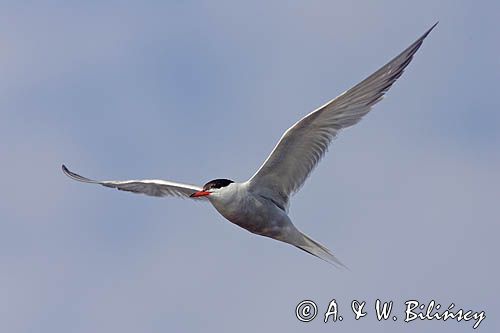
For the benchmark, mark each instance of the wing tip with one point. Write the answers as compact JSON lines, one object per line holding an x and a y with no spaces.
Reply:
{"x":428,"y":31}
{"x":66,"y":171}
{"x":75,"y":176}
{"x":64,"y":168}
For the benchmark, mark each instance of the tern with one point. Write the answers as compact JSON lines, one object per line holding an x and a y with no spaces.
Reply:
{"x":260,"y":204}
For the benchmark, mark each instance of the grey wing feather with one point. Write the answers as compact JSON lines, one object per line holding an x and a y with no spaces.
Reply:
{"x":152,"y":187}
{"x":304,"y":144}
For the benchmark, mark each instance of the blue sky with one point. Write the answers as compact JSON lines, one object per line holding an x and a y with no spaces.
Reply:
{"x":192,"y":91}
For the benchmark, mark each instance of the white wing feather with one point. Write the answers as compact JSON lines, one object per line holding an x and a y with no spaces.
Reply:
{"x":152,"y":187}
{"x":302,"y":145}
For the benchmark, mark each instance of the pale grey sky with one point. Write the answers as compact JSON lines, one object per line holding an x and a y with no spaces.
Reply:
{"x":191,"y":91}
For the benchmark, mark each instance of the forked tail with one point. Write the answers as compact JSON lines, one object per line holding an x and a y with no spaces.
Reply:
{"x":316,"y":249}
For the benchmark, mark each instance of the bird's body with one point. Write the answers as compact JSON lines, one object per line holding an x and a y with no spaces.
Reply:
{"x":260,"y":215}
{"x":260,"y":205}
{"x":252,"y":212}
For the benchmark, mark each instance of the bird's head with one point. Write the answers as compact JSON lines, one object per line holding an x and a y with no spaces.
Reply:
{"x":212,"y":187}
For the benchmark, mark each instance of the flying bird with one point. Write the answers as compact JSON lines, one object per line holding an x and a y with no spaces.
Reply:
{"x":260,"y":204}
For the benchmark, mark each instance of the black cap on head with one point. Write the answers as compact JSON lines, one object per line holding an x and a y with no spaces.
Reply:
{"x":217,"y":183}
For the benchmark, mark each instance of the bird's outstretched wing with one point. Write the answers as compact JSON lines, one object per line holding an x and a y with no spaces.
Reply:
{"x":152,"y":187}
{"x":302,"y":145}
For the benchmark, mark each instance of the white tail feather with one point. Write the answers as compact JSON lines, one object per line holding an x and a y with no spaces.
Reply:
{"x":316,"y":249}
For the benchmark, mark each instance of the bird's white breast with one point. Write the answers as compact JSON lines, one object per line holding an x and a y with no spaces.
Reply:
{"x":248,"y":210}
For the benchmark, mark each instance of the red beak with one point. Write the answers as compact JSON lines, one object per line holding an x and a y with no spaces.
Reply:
{"x":199,"y":194}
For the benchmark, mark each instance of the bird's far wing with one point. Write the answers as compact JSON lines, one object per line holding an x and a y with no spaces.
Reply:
{"x":152,"y":187}
{"x":302,"y":145}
